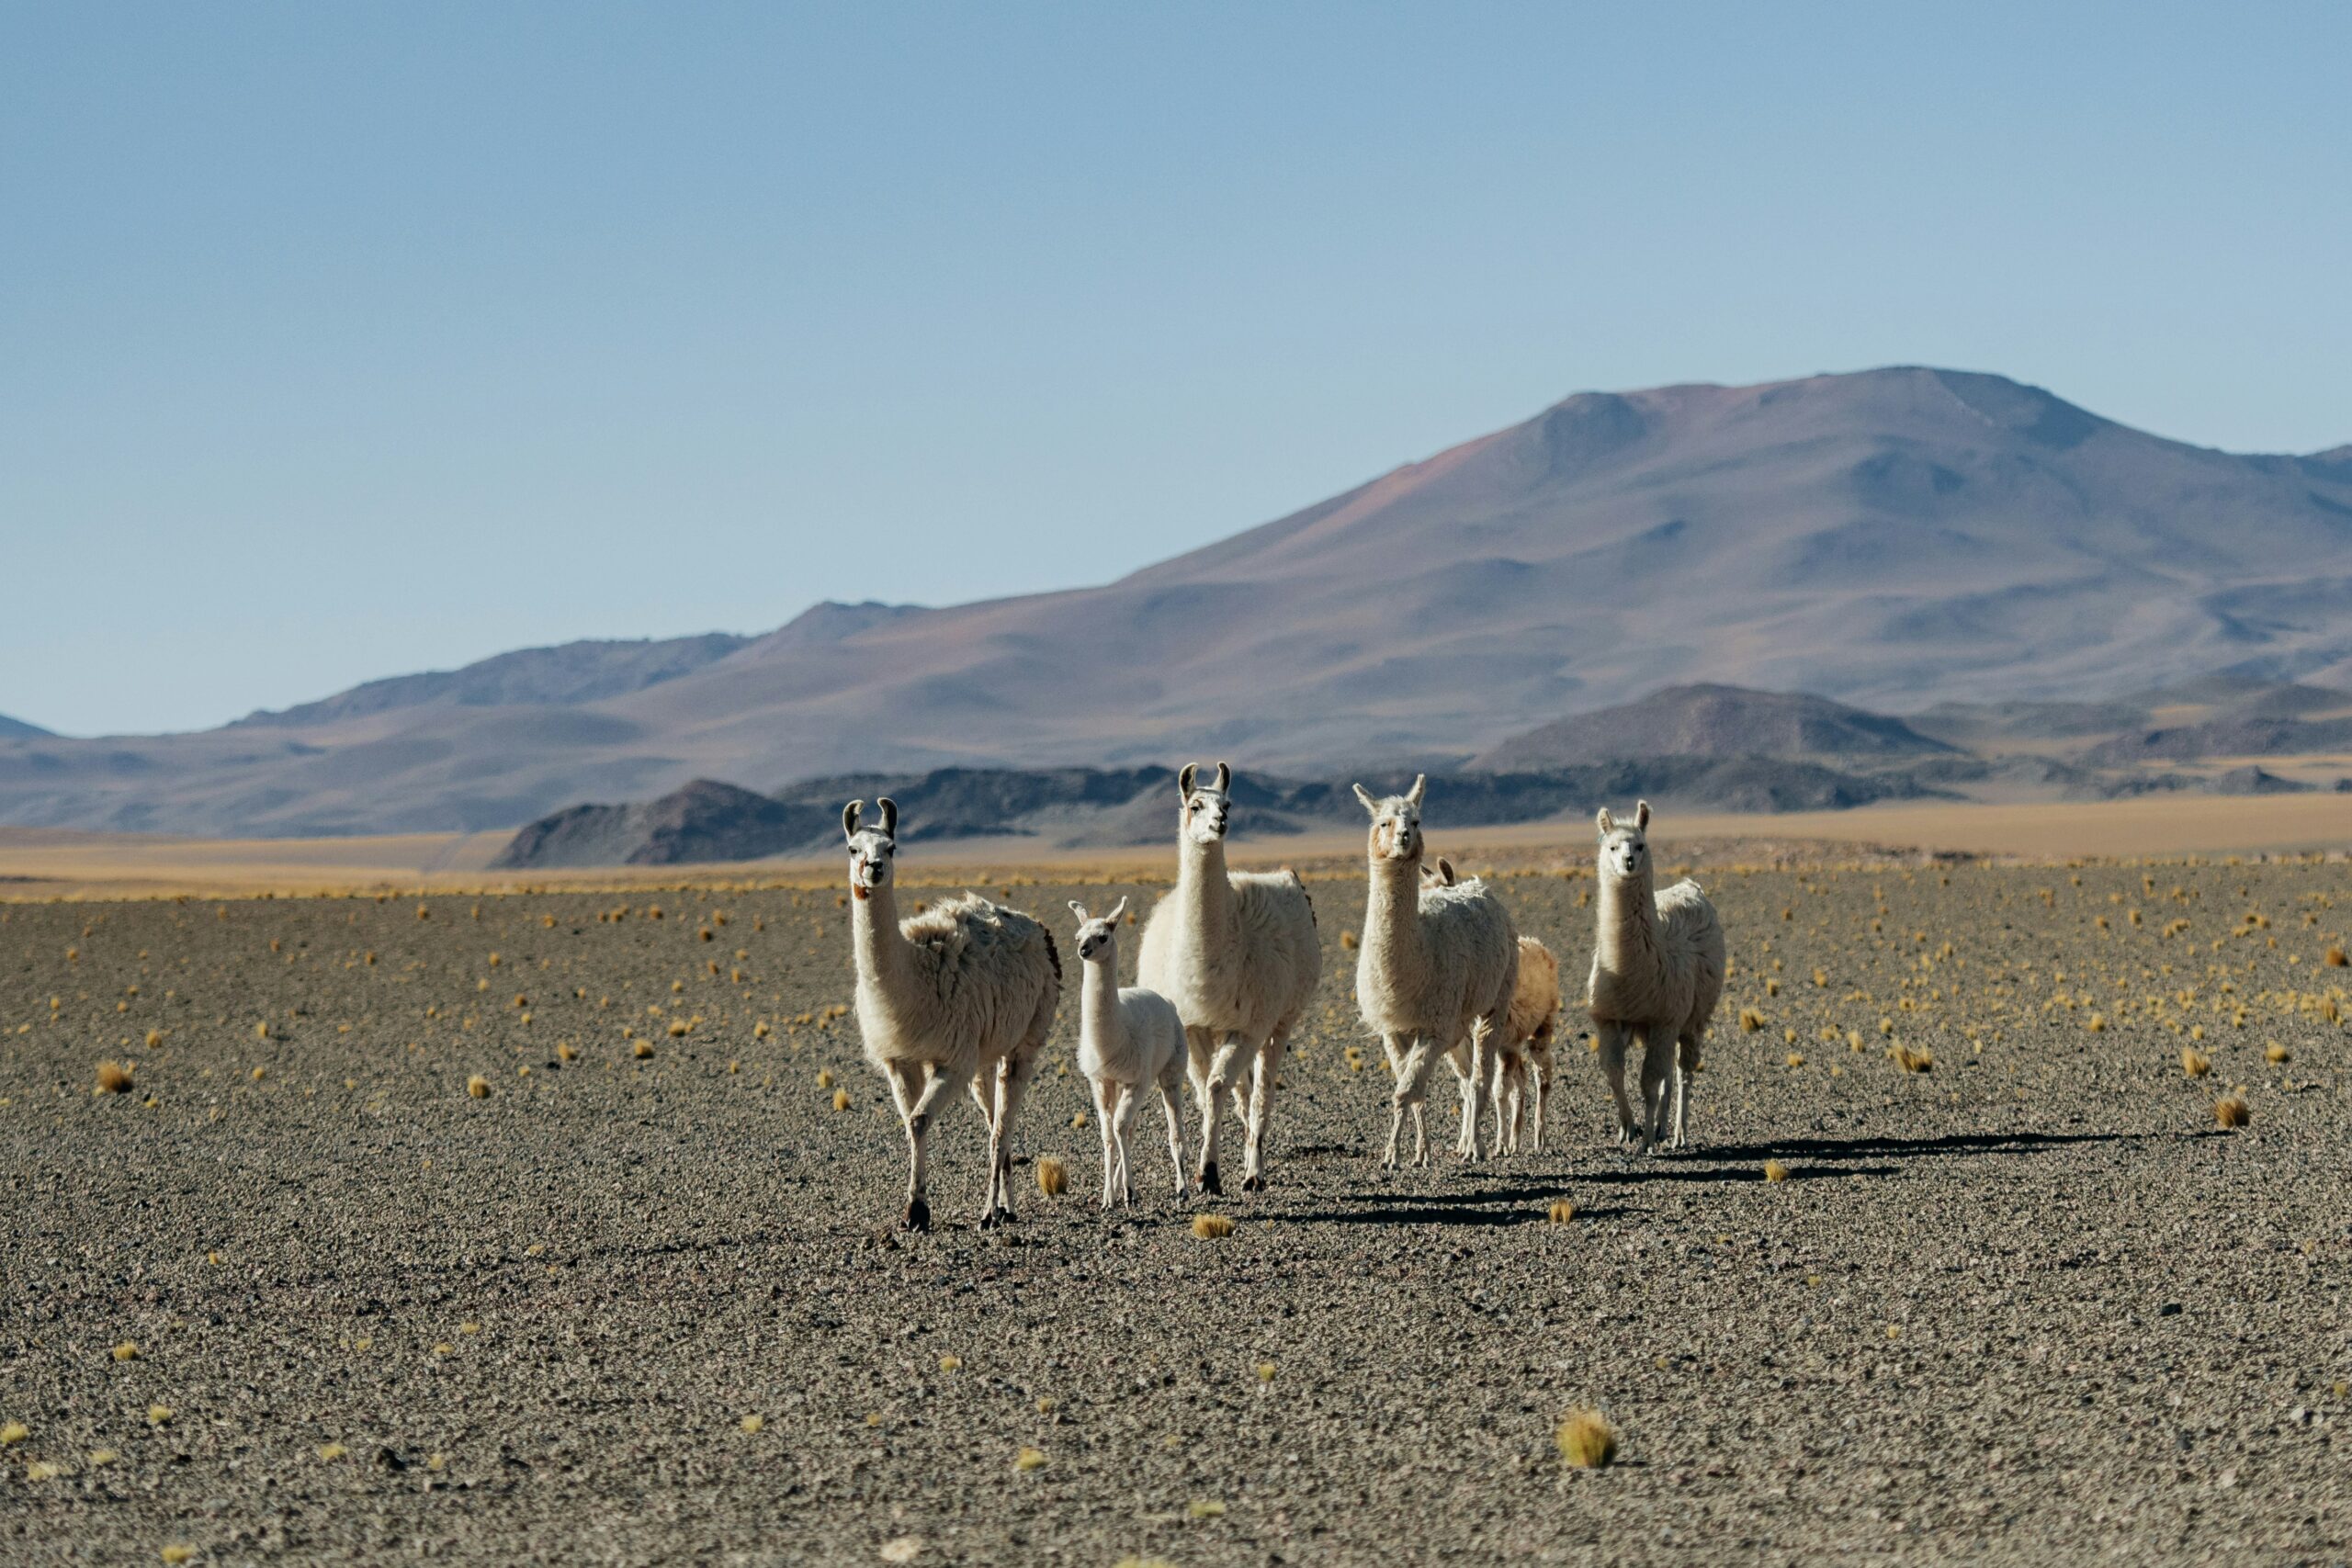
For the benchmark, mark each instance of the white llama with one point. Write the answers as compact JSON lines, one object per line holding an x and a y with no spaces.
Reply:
{"x":1128,"y":1040}
{"x":963,"y":993}
{"x":1437,"y":969}
{"x":1238,"y":953}
{"x":1657,"y":972}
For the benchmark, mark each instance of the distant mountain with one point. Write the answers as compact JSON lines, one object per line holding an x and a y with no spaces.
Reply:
{"x":1711,"y":721}
{"x":17,"y":729}
{"x":1093,"y":808}
{"x":1892,"y":539}
{"x":571,"y":673}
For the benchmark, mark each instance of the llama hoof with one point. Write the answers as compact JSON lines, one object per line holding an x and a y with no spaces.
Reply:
{"x":1253,"y":1184}
{"x":918,"y":1215}
{"x":1210,"y":1185}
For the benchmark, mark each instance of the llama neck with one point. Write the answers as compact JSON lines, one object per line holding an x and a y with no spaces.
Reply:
{"x":882,"y":954}
{"x":1097,"y":996}
{"x":1628,"y":923}
{"x":1203,"y":893}
{"x":1392,"y":916}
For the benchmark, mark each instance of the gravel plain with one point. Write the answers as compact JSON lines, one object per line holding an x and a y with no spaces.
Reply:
{"x":300,"y":1294}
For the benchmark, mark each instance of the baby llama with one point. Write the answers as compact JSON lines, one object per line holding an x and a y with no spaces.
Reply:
{"x":962,"y":993}
{"x":1437,"y":968}
{"x":1128,"y":1040}
{"x":1238,"y":953}
{"x":1658,"y":971}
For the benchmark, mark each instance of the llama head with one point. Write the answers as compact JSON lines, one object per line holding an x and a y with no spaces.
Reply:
{"x":1098,"y":940}
{"x":1625,"y":846}
{"x":1208,"y":808}
{"x":1396,"y":821}
{"x":872,"y":845}
{"x":1441,"y":874}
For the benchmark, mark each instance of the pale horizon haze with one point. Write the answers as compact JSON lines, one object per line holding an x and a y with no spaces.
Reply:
{"x":340,"y":343}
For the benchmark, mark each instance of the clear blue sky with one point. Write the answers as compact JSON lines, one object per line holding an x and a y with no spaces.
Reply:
{"x":340,"y":340}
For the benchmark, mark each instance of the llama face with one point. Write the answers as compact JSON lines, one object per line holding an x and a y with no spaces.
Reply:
{"x":1098,"y":940}
{"x":871,"y":846}
{"x":1208,"y":809}
{"x":1395,"y":822}
{"x":1625,"y":846}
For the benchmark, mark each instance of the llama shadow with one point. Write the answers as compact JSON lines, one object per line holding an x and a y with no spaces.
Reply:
{"x":1947,"y":1144}
{"x":1631,"y":1174}
{"x":1397,"y":1209}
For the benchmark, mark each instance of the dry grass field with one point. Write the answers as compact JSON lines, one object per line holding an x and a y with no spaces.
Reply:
{"x":555,"y":1227}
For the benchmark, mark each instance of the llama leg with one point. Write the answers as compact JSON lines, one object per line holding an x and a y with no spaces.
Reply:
{"x":1481,"y":1064}
{"x":938,"y":1083}
{"x":1220,"y":1085}
{"x":1125,"y":1115}
{"x":1389,"y":1048}
{"x":1612,"y":1037}
{"x":1261,"y":1104}
{"x":1413,"y":1088}
{"x":1539,"y":1078}
{"x":1514,"y":1094}
{"x":1175,"y":1134}
{"x":1012,"y":1083}
{"x":1658,"y":1066}
{"x":1686,"y":1067}
{"x":1464,"y":1130}
{"x":1102,"y":1103}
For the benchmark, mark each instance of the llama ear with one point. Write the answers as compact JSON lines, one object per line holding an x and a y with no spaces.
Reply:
{"x":849,"y":818}
{"x":1421,"y":787}
{"x":1369,"y":803}
{"x":1223,"y":778}
{"x":1642,"y":815}
{"x":1079,"y":909}
{"x":1185,"y":779}
{"x":889,"y":809}
{"x":1446,"y":871}
{"x":1606,"y":823}
{"x":1117,"y":909}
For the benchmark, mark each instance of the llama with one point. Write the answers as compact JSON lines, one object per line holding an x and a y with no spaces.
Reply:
{"x":1657,"y":972}
{"x":1238,"y":953}
{"x":1128,"y":1039}
{"x":961,"y":993}
{"x":1524,"y":1047}
{"x":1534,"y":1018}
{"x":1436,"y":967}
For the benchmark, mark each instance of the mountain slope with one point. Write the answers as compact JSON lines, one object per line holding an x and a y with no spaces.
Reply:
{"x":1709,"y":720}
{"x":571,"y":673}
{"x":17,"y":729}
{"x":1891,"y":537}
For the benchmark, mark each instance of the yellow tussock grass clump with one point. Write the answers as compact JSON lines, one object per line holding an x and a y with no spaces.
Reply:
{"x":1029,"y":1458}
{"x":1914,"y":1060}
{"x":177,"y":1552}
{"x":1562,"y":1211}
{"x":2195,"y":1063}
{"x":113,"y":1078}
{"x":841,"y":1099}
{"x":126,"y":1351}
{"x":2335,"y":959}
{"x":951,"y":1363}
{"x":1052,"y":1177}
{"x":1775,"y":1172}
{"x":1587,"y":1440}
{"x":752,"y":1423}
{"x":1209,"y":1227}
{"x":2231,"y":1110}
{"x":1750,"y":1019}
{"x":332,"y":1452}
{"x":642,"y":1049}
{"x":1348,"y":941}
{"x":13,"y":1433}
{"x":479,"y":1087}
{"x":565,"y":1051}
{"x":2274,"y":1052}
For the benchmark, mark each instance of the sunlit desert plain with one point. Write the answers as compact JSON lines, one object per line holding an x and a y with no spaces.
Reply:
{"x":559,"y":1225}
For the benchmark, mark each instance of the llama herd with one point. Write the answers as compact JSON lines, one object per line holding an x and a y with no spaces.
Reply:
{"x":964,"y":992}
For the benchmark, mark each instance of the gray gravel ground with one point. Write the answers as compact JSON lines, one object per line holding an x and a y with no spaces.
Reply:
{"x":2029,"y":1305}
